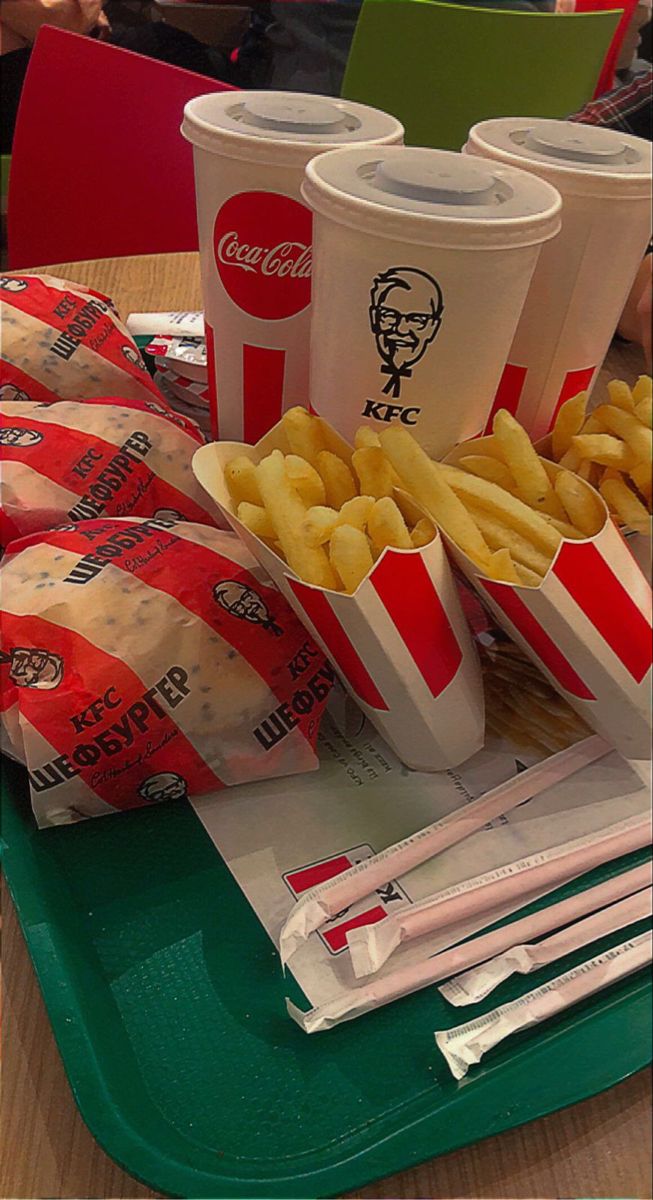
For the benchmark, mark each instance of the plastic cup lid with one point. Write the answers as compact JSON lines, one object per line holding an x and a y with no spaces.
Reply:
{"x":432,"y":196}
{"x":282,"y":127}
{"x":574,"y":156}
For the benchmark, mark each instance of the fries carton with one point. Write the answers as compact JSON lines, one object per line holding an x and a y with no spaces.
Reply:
{"x":400,"y":643}
{"x":587,"y":626}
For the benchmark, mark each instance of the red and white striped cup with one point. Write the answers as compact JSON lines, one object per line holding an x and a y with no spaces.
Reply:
{"x":255,"y":236}
{"x":583,"y":276}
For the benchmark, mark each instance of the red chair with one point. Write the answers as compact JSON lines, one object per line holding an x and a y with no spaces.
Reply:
{"x":99,"y":168}
{"x":607,"y":76}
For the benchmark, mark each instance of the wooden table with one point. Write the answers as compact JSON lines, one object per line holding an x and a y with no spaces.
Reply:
{"x":600,"y":1148}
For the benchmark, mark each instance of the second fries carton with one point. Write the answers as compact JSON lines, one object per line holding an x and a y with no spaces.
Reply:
{"x":587,"y":626}
{"x":400,"y":643}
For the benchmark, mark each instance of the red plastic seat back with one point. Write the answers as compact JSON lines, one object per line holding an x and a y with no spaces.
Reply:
{"x":99,"y":168}
{"x":607,"y":77}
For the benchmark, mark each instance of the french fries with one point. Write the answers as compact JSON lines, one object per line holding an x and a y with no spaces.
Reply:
{"x":331,"y":513}
{"x":611,"y":449}
{"x":329,"y":518}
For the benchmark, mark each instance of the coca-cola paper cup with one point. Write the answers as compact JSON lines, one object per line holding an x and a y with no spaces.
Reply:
{"x":583,"y":276}
{"x":422,"y":261}
{"x":587,"y":627}
{"x":400,"y":643}
{"x":255,"y":235}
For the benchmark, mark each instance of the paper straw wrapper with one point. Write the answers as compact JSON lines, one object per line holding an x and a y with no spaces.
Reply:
{"x":400,"y":643}
{"x":610,"y":843}
{"x":476,"y":984}
{"x":325,"y":900}
{"x":371,"y":946}
{"x":466,"y":1044}
{"x":587,"y":627}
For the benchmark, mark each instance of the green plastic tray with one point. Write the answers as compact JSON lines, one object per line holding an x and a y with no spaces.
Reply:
{"x":167,"y":1004}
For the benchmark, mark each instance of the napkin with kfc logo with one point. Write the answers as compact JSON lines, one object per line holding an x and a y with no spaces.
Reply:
{"x":61,"y":340}
{"x":104,"y":457}
{"x":146,"y":660}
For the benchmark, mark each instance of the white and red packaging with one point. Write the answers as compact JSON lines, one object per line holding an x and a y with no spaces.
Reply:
{"x":188,"y":397}
{"x":186,"y":355}
{"x":423,"y":260}
{"x":587,"y":627}
{"x":583,"y":276}
{"x":255,"y":237}
{"x":63,"y":341}
{"x":104,"y":457}
{"x":400,"y":643}
{"x":145,"y":660}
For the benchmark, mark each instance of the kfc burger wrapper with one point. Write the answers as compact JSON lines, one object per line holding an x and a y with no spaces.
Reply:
{"x":62,"y":341}
{"x":144,"y":660}
{"x":587,"y":627}
{"x":400,"y":643}
{"x":104,"y":457}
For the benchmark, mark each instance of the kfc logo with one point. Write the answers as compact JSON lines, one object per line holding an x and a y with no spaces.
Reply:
{"x":167,"y":785}
{"x":262,"y":246}
{"x":168,"y":514}
{"x":34,"y":668}
{"x":405,"y":315}
{"x":7,"y":284}
{"x":241,"y":601}
{"x":12,"y":436}
{"x":133,"y":357}
{"x":13,"y":394}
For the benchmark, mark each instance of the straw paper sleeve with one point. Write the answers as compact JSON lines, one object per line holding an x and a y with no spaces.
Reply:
{"x":478,"y":983}
{"x":466,"y":1044}
{"x":371,"y":946}
{"x":325,"y":900}
{"x":62,"y":341}
{"x":104,"y":457}
{"x":145,"y":660}
{"x":587,"y":627}
{"x":400,"y":644}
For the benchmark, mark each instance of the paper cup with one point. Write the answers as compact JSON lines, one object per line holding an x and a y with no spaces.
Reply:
{"x":587,"y":627}
{"x":250,"y":150}
{"x":422,"y":264}
{"x":400,"y":643}
{"x":583,"y":277}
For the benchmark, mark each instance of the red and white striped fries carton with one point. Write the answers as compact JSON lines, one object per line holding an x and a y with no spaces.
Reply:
{"x":148,"y":660}
{"x":63,"y":341}
{"x":102,"y":457}
{"x":400,"y":643}
{"x":587,"y":627}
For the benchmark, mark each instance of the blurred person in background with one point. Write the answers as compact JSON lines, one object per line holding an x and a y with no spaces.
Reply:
{"x":21,"y":20}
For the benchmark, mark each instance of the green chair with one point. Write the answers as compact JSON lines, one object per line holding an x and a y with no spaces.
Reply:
{"x":440,"y":68}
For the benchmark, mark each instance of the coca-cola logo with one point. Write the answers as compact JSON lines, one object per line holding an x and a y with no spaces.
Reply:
{"x":262,"y":246}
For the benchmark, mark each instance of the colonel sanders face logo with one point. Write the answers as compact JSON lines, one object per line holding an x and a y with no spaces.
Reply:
{"x":168,"y":514}
{"x":12,"y":394}
{"x":165,"y":786}
{"x":12,"y":436}
{"x":7,"y":284}
{"x":34,"y":668}
{"x":133,"y":357}
{"x":242,"y":601}
{"x":405,"y":315}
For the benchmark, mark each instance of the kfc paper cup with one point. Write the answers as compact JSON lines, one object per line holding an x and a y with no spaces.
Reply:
{"x":587,"y":627}
{"x":250,"y":150}
{"x":583,"y":276}
{"x":422,"y":264}
{"x":400,"y":643}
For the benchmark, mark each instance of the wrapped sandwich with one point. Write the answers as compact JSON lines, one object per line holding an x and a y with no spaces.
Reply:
{"x":75,"y":461}
{"x":61,"y":340}
{"x":144,"y":660}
